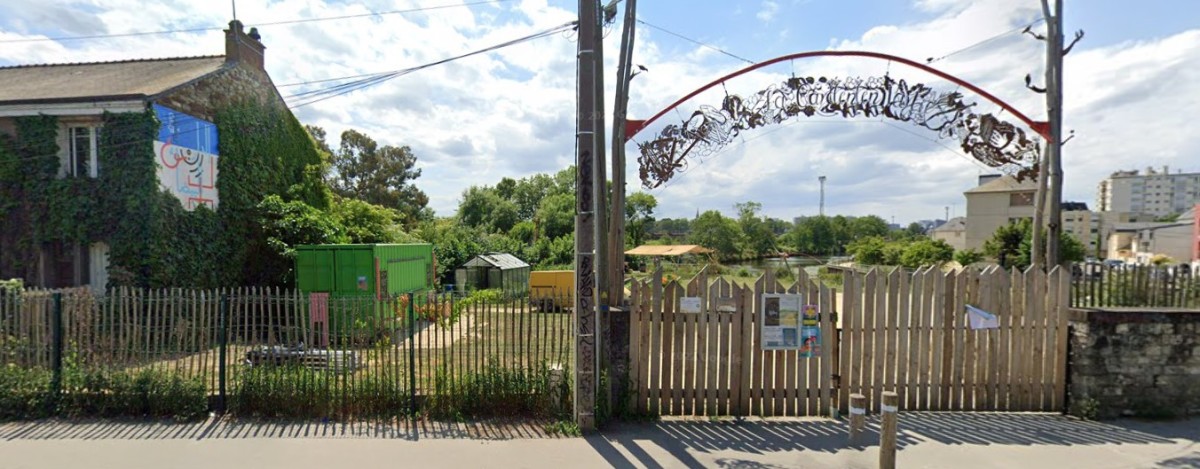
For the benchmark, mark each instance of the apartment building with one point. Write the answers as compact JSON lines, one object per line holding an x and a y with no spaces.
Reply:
{"x":1157,"y":193}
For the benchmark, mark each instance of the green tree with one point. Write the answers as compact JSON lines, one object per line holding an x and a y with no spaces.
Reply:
{"x":482,"y":207}
{"x":506,"y":188}
{"x":639,"y":216}
{"x":522,"y":231}
{"x":528,"y":193}
{"x":671,"y":227}
{"x":380,"y":175}
{"x":968,"y":256}
{"x":364,"y":223}
{"x":1010,"y":245}
{"x":285,"y":225}
{"x":556,"y":215}
{"x":869,"y":250}
{"x":714,"y":231}
{"x":815,"y":235}
{"x":914,"y":230}
{"x":925,"y":252}
{"x":868,"y":226}
{"x":759,"y":239}
{"x":1005,"y":244}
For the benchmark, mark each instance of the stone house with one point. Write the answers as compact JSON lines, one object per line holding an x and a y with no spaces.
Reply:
{"x":183,"y":93}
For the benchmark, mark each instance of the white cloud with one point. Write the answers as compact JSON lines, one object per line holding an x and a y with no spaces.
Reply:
{"x":768,"y":10}
{"x":511,"y":113}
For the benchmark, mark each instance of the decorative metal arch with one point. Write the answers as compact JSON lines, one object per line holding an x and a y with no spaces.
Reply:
{"x":994,"y":142}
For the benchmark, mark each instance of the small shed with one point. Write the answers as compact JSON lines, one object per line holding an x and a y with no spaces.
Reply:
{"x":497,"y":270}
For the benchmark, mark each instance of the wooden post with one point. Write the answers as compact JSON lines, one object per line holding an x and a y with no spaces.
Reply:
{"x":858,"y":417}
{"x":887,"y":434}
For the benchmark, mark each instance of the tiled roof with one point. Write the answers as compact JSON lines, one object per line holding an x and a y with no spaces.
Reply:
{"x":75,"y":82}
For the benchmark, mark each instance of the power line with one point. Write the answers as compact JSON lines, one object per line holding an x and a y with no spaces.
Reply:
{"x":322,"y":94}
{"x":272,"y":23}
{"x":985,"y":41}
{"x":693,"y":41}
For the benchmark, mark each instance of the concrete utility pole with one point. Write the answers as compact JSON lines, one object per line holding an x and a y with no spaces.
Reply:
{"x":589,"y":62}
{"x":1054,"y":102}
{"x":618,"y":322}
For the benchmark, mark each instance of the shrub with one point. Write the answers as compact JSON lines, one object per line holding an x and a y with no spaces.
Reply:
{"x":24,"y":393}
{"x":968,"y":257}
{"x":300,"y":392}
{"x":144,"y":393}
{"x":499,"y":391}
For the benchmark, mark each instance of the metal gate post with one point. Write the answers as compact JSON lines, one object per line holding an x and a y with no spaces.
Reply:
{"x":412,"y":368}
{"x":56,"y":351}
{"x":223,"y":340}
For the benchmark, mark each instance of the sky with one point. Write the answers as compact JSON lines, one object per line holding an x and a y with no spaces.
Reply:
{"x":1131,"y":86}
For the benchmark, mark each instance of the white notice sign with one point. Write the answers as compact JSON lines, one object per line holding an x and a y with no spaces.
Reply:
{"x":689,"y":304}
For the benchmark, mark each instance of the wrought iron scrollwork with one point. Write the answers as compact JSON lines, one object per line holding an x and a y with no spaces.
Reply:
{"x":986,"y":138}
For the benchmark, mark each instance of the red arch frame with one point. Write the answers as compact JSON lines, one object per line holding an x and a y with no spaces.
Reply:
{"x":632,"y":126}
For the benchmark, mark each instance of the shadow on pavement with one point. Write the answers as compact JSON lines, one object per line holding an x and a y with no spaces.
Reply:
{"x":229,"y":428}
{"x":683,"y":439}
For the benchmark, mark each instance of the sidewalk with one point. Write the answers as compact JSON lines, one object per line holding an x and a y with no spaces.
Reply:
{"x":933,"y":440}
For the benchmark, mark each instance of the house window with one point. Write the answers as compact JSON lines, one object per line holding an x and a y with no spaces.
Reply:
{"x":82,"y":158}
{"x":1020,"y":199}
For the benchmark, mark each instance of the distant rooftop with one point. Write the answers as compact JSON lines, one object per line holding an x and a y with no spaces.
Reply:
{"x":954,"y":224}
{"x":1004,"y":183}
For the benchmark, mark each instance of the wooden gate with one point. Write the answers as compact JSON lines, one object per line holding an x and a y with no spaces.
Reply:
{"x":712,"y":362}
{"x":881,"y":331}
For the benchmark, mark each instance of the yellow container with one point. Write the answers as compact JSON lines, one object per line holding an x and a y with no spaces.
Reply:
{"x":552,"y":289}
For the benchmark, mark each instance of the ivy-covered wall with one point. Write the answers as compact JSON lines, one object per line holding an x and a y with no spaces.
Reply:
{"x":153,"y":241}
{"x":264,"y":151}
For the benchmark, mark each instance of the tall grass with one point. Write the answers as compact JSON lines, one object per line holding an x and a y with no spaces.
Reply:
{"x":25,"y":394}
{"x":498,"y":391}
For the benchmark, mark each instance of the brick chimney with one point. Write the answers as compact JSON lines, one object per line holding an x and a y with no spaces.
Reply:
{"x":243,"y":48}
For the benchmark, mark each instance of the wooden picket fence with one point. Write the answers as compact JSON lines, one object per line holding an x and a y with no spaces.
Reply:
{"x":909,"y":333}
{"x":712,"y":362}
{"x":898,"y":331}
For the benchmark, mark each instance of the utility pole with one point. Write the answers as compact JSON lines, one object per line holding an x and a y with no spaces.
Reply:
{"x":588,"y":62}
{"x":1054,"y":100}
{"x":947,"y":215}
{"x":821,"y":210}
{"x":617,"y":352}
{"x":600,"y":181}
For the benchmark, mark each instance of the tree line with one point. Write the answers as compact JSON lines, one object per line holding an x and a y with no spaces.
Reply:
{"x":376,"y":200}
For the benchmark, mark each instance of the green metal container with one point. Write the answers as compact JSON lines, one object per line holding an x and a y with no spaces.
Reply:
{"x":355,"y":274}
{"x":364,"y":269}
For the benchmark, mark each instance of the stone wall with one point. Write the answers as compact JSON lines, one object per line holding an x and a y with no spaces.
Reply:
{"x":1135,"y":362}
{"x":232,"y":84}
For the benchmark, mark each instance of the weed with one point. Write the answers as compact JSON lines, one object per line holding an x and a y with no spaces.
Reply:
{"x":1085,"y":408}
{"x":563,"y":428}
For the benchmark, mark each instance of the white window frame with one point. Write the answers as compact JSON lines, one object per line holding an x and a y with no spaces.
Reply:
{"x":93,"y":157}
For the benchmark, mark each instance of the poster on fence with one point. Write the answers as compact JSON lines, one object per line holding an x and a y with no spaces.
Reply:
{"x":810,"y":332}
{"x":780,"y":322}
